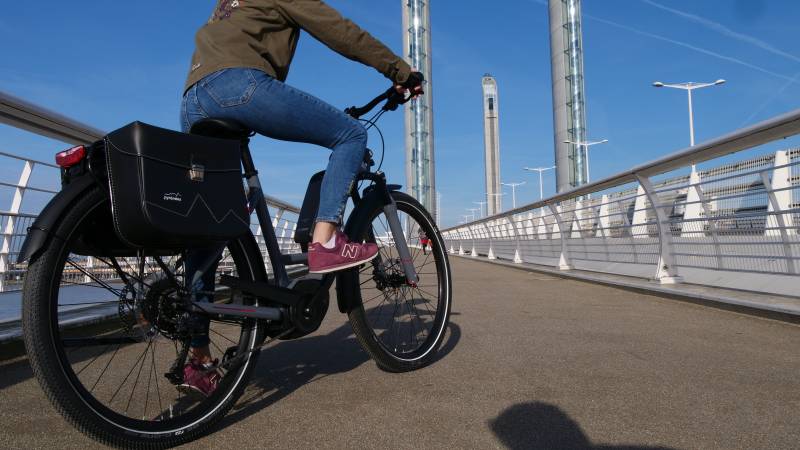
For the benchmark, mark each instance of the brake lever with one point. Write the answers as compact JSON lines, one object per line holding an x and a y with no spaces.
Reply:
{"x":396,"y":99}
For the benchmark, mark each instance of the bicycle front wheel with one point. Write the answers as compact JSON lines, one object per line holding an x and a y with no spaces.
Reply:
{"x":399,"y":325}
{"x":103,"y":333}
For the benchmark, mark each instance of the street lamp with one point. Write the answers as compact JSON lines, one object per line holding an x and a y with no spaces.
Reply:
{"x":540,"y":170}
{"x":481,"y":205}
{"x":689,"y":87}
{"x":586,"y":145}
{"x":513,"y":192}
{"x":473,"y":212}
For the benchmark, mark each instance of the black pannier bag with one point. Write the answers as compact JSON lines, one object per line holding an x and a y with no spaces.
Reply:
{"x":174,"y":190}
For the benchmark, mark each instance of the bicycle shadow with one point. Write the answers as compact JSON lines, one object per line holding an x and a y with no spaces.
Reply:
{"x":542,"y":425}
{"x":290,"y":365}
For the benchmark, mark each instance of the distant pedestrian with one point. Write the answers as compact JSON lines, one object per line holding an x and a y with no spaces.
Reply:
{"x":424,"y":242}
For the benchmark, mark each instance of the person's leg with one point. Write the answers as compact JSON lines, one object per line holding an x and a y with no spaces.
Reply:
{"x":199,"y":349}
{"x":279,"y":111}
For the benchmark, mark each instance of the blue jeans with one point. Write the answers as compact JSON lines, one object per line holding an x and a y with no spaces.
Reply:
{"x":277,"y":110}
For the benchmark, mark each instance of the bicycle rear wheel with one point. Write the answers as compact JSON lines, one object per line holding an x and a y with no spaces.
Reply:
{"x":102,"y":332}
{"x":399,"y":325}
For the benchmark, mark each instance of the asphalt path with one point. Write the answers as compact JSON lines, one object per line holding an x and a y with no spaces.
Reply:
{"x":530,"y":361}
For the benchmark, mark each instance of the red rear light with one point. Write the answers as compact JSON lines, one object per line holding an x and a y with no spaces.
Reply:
{"x":69,"y":158}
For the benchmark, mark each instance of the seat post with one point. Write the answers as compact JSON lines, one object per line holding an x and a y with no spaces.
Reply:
{"x":247,"y":160}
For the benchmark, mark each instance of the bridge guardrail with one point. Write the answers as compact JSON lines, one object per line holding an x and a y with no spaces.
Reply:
{"x":734,"y":225}
{"x":14,"y":222}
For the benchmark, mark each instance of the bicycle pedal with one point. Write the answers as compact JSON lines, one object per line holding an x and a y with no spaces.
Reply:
{"x":295,"y":258}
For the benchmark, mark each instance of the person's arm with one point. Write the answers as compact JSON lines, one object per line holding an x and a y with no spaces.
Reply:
{"x":344,"y":37}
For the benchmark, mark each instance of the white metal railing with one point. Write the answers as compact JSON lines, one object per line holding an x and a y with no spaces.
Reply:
{"x":735,"y":225}
{"x":14,"y":221}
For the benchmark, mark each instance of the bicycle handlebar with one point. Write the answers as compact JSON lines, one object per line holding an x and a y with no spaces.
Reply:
{"x":393,"y":100}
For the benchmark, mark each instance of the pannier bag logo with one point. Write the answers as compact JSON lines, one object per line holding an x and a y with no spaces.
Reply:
{"x":173,"y":197}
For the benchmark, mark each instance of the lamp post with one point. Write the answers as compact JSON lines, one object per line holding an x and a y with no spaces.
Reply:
{"x":586,"y":145}
{"x":473,"y":212}
{"x":540,"y":170}
{"x":513,"y":192}
{"x":689,"y":87}
{"x":481,"y":205}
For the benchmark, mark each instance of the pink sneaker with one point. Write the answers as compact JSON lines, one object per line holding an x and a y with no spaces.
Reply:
{"x":199,"y":378}
{"x":343,"y":255}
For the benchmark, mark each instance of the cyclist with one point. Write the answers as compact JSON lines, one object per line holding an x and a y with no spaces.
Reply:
{"x":241,"y":59}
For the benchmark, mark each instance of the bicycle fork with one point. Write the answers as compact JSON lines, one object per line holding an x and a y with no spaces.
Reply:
{"x":396,"y":228}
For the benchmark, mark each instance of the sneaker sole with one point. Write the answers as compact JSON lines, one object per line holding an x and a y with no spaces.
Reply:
{"x":344,"y":266}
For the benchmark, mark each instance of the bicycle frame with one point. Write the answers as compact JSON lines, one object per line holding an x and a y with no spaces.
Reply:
{"x":281,"y":291}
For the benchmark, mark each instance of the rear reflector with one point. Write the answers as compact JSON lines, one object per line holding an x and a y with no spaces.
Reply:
{"x":69,"y":158}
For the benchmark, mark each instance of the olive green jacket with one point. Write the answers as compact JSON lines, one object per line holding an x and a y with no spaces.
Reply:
{"x":263,"y":34}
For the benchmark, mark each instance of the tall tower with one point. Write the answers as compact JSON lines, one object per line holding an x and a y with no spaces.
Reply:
{"x":569,"y":112}
{"x":491,"y":145}
{"x":420,"y":164}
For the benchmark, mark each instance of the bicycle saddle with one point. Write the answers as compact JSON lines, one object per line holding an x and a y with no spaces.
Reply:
{"x":220,"y":128}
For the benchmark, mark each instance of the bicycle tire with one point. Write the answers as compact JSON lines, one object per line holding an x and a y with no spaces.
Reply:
{"x":57,"y":378}
{"x":349,"y":284}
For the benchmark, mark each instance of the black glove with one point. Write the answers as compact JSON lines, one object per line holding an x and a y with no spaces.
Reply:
{"x":414,"y":79}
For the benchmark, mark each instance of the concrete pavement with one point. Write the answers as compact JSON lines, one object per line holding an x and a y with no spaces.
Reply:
{"x":530,"y":361}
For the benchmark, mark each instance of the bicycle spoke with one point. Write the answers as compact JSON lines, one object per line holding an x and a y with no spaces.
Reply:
{"x":97,"y":280}
{"x":102,"y":372}
{"x":130,"y":372}
{"x":158,"y":390}
{"x":135,"y":383}
{"x":93,"y":360}
{"x":222,"y":336}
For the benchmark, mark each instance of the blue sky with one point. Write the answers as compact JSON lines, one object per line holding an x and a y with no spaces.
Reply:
{"x":109,"y":63}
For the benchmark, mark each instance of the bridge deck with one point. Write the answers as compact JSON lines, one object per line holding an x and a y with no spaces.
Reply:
{"x":531,"y":361}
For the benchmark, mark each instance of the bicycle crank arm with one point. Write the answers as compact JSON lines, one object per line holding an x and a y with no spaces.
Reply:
{"x":237,"y":311}
{"x":400,"y":240}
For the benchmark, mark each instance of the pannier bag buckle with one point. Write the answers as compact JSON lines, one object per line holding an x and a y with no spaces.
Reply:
{"x":197,"y":172}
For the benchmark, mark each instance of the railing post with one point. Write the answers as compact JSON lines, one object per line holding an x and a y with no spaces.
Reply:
{"x":576,"y":232}
{"x":639,"y":229}
{"x":277,"y":217}
{"x":517,"y":256}
{"x":602,"y":217}
{"x":602,"y":213}
{"x":710,"y":220}
{"x":781,"y":186}
{"x":627,"y":224}
{"x":490,"y":232}
{"x":541,"y":226}
{"x":564,"y":262}
{"x":8,"y":231}
{"x":780,"y":180}
{"x":473,"y":253}
{"x":694,"y":207}
{"x":667,"y":271}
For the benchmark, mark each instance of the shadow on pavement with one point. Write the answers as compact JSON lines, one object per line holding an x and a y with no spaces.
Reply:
{"x":14,"y":372}
{"x":540,"y":425}
{"x":289,"y":365}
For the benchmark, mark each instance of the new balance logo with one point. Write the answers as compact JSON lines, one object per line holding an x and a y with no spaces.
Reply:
{"x":350,"y":251}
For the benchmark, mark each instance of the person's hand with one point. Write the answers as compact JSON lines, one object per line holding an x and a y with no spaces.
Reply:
{"x":412,"y":84}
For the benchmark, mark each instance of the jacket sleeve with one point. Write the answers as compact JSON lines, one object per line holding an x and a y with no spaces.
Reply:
{"x":344,"y":37}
